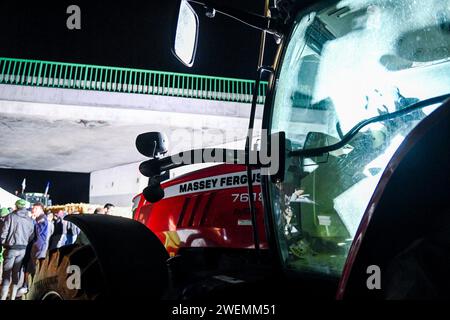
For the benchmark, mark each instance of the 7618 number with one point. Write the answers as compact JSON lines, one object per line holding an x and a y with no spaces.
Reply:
{"x":244,"y":197}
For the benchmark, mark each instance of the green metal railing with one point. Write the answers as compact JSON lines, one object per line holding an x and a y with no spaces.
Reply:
{"x":90,"y":77}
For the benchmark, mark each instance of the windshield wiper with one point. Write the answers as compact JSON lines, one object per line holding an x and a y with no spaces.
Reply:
{"x":316,"y":152}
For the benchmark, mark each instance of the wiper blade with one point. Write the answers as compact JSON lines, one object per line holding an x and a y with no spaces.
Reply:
{"x":316,"y":152}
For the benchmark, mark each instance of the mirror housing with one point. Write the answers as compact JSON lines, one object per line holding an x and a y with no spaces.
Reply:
{"x":318,"y":140}
{"x":152,"y":144}
{"x":185,"y":37}
{"x":154,"y":192}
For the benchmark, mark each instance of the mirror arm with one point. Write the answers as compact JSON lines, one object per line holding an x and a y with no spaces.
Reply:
{"x":316,"y":152}
{"x":259,"y":22}
{"x":154,"y":167}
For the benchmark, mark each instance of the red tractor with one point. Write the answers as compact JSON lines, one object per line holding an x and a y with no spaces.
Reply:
{"x":205,"y":208}
{"x":354,"y":203}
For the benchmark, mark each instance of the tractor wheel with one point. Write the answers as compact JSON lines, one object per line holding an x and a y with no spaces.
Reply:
{"x":53,"y":278}
{"x":118,"y":259}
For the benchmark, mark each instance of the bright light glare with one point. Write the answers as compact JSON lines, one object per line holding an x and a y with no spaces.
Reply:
{"x":351,"y":204}
{"x":381,"y":161}
{"x":430,"y":109}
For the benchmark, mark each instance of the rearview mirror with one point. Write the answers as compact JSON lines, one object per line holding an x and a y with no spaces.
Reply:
{"x":154,"y":192}
{"x":152,"y":144}
{"x":186,"y":34}
{"x":318,"y":140}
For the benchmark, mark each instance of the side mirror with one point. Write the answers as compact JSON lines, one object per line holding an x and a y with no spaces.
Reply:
{"x":154,"y":192}
{"x":318,"y":140}
{"x":186,"y":34}
{"x":152,"y":144}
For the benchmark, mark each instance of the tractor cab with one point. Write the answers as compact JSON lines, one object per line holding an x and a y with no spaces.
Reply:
{"x":33,"y":197}
{"x":354,"y":87}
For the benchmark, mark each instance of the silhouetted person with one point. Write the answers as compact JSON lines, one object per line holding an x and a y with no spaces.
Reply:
{"x":4,"y":212}
{"x":59,"y":237}
{"x":17,"y":232}
{"x":72,"y":232}
{"x":39,"y":246}
{"x":109,"y":208}
{"x":99,"y":211}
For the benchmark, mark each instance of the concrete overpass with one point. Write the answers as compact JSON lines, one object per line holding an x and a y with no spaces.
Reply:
{"x":83,"y":118}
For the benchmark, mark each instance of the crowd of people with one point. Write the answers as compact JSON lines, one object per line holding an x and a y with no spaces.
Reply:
{"x":26,"y":236}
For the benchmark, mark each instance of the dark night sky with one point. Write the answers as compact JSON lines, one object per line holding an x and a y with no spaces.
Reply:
{"x":132,"y":34}
{"x":62,"y":185}
{"x":127,"y":34}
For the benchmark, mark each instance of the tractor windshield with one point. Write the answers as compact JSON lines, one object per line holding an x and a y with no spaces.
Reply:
{"x":344,"y":64}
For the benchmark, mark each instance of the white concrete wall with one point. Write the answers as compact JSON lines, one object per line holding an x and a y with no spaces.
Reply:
{"x":87,"y":98}
{"x":119,"y":185}
{"x":116,"y":185}
{"x":86,"y":131}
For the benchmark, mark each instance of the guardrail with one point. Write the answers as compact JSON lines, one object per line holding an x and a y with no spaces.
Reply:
{"x":126,"y":80}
